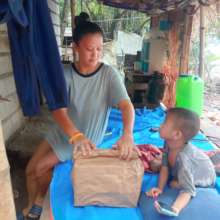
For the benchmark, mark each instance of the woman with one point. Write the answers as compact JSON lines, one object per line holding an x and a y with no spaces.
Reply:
{"x":93,"y":88}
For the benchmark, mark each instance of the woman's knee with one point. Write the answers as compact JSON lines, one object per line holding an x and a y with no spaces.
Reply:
{"x":34,"y":171}
{"x":46,"y":164}
{"x":40,"y":170}
{"x":40,"y":153}
{"x":30,"y":168}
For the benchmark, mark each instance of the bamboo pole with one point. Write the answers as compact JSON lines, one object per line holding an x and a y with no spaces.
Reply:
{"x":202,"y":42}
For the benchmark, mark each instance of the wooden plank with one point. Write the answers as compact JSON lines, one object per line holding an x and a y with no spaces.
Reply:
{"x":3,"y":28}
{"x":5,"y":63}
{"x":7,"y":86}
{"x":54,"y":6}
{"x":7,"y":108}
{"x":7,"y":206}
{"x":4,"y":43}
{"x":57,"y":30}
{"x":12,"y":123}
{"x":55,"y":19}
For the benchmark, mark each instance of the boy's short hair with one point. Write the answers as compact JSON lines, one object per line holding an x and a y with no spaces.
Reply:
{"x":186,"y":120}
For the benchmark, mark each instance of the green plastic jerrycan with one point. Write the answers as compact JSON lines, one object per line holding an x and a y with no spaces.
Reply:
{"x":190,"y":93}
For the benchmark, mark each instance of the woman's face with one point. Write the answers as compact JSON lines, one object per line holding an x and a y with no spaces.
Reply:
{"x":90,"y":49}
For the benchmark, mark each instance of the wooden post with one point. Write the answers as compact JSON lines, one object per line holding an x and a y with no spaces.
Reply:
{"x":73,"y":11}
{"x":7,"y":207}
{"x":184,"y":58}
{"x":171,"y":66}
{"x":202,"y":41}
{"x":73,"y":6}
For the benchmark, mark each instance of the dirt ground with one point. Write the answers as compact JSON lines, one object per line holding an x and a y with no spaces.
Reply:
{"x":212,"y":106}
{"x":21,"y":146}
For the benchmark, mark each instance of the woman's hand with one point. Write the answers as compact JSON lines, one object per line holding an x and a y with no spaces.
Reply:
{"x":125,"y":145}
{"x":154,"y":192}
{"x":83,"y":144}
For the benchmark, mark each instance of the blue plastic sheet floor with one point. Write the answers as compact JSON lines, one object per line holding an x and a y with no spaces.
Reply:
{"x":61,"y":191}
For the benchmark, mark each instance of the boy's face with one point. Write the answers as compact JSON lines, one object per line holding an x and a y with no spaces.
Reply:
{"x":168,"y":130}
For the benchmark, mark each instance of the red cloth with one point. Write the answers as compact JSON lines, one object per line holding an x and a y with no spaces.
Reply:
{"x":148,"y":153}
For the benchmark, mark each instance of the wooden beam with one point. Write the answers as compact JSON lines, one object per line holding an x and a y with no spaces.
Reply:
{"x":171,"y":67}
{"x":184,"y":57}
{"x":202,"y":42}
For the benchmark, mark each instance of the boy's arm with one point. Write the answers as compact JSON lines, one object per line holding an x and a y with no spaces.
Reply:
{"x":186,"y":184}
{"x":181,"y":201}
{"x":164,"y":171}
{"x":154,"y":192}
{"x":163,"y":177}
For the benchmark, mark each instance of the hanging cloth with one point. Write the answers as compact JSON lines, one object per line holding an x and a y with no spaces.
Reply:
{"x":13,"y":9}
{"x":35,"y":56}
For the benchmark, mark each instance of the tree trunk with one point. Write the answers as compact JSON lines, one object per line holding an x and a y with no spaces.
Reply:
{"x":63,"y":19}
{"x":116,"y":24}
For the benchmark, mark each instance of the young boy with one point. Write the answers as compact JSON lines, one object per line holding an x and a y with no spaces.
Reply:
{"x":187,"y":166}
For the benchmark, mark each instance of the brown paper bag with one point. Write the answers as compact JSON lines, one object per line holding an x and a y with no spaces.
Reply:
{"x":105,"y":180}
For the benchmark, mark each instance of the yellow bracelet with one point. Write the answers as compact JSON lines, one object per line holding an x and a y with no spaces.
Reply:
{"x":75,"y":136}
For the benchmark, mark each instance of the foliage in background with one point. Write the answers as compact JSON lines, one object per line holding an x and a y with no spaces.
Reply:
{"x":109,"y":18}
{"x":212,"y":39}
{"x":113,"y":19}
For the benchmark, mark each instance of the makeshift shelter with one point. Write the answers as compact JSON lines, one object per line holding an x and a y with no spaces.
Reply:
{"x":179,"y":12}
{"x":171,"y":26}
{"x":178,"y":22}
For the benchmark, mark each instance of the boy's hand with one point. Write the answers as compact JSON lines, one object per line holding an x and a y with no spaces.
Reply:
{"x":154,"y":192}
{"x":174,"y":184}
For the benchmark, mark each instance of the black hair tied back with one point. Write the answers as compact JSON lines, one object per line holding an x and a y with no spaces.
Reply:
{"x":84,"y":26}
{"x":81,"y":18}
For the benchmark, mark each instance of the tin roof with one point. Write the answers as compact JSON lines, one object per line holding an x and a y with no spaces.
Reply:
{"x":152,"y":7}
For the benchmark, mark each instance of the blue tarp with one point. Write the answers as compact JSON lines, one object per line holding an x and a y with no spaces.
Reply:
{"x":61,"y":186}
{"x":205,"y":206}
